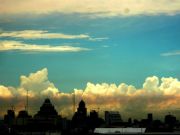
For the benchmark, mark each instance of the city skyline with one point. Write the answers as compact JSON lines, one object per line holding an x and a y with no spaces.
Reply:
{"x":48,"y":120}
{"x":117,"y":55}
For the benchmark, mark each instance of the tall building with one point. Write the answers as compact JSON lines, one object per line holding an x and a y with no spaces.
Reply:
{"x":22,"y":118}
{"x":94,"y":120}
{"x":112,"y":118}
{"x":93,"y":114}
{"x":80,"y":117}
{"x":47,"y":118}
{"x":47,"y":110}
{"x":150,"y":117}
{"x":170,"y":120}
{"x":82,"y":110}
{"x":9,"y":117}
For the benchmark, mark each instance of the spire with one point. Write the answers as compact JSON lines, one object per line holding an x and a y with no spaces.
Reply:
{"x":82,"y":104}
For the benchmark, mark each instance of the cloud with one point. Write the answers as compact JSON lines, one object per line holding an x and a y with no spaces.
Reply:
{"x":5,"y":92}
{"x":106,"y":46}
{"x":38,"y":83}
{"x":174,"y":53}
{"x":41,"y":34}
{"x":151,"y":84}
{"x":20,"y":46}
{"x":95,"y":7}
{"x":98,"y":39}
{"x":156,"y":95}
{"x":38,"y":87}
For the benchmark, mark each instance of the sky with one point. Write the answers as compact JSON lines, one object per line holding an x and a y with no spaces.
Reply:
{"x":123,"y":52}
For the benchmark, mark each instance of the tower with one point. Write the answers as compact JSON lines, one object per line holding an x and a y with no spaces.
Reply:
{"x":82,"y":110}
{"x":150,"y":117}
{"x":47,"y":110}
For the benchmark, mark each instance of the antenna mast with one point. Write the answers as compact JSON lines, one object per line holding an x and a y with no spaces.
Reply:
{"x":27,"y":101}
{"x":74,"y":102}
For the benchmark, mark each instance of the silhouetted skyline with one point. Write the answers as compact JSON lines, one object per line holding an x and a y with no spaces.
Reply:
{"x":82,"y":122}
{"x":118,"y":56}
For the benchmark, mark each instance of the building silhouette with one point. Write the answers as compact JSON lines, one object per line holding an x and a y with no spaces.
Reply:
{"x":94,"y":120}
{"x":22,"y":118}
{"x":46,"y":118}
{"x":112,"y":118}
{"x":82,"y":110}
{"x":9,"y":118}
{"x":47,"y":110}
{"x":150,"y":117}
{"x":79,"y":119}
{"x":170,"y":121}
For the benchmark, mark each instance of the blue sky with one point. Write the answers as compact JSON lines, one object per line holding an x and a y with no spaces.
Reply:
{"x":131,"y":49}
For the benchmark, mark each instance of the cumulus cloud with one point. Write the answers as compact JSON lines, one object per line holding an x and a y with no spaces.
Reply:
{"x":151,"y":84}
{"x":5,"y":92}
{"x":95,"y":7}
{"x":20,"y":46}
{"x":156,"y":95}
{"x":38,"y":87}
{"x":38,"y":83}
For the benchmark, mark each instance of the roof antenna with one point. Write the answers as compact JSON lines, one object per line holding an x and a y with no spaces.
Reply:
{"x":27,"y":101}
{"x":74,"y":101}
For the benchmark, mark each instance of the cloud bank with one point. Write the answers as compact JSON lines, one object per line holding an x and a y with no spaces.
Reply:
{"x":20,"y":46}
{"x":96,"y":7}
{"x":156,"y":95}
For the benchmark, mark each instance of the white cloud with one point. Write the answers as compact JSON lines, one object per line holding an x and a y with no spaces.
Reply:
{"x":5,"y":92}
{"x":98,"y":39}
{"x":151,"y":84}
{"x":156,"y":95}
{"x":38,"y":83}
{"x":38,"y":87}
{"x":170,"y":86}
{"x":20,"y":46}
{"x":96,"y":7}
{"x":174,"y":53}
{"x":40,"y":34}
